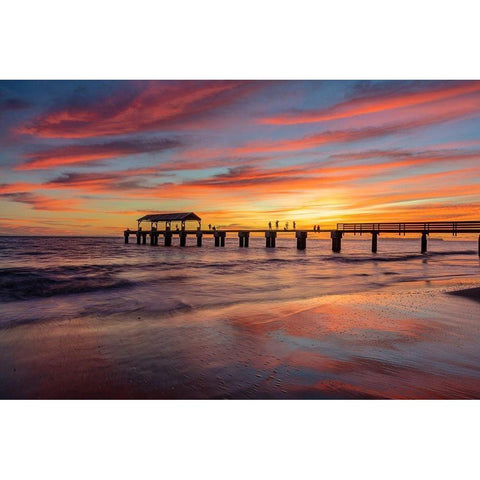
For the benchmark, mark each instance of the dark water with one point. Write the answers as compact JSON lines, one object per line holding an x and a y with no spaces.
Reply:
{"x":95,"y":318}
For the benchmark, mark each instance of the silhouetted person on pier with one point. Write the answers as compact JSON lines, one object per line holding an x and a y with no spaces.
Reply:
{"x":213,"y":228}
{"x":314,"y":228}
{"x":269,"y":225}
{"x":286,"y":225}
{"x":294,"y":225}
{"x":177,"y":229}
{"x":276,"y":224}
{"x":209,"y":226}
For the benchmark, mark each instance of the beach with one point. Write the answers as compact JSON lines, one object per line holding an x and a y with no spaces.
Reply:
{"x":186,"y":324}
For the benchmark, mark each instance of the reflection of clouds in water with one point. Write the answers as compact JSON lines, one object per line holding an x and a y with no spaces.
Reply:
{"x":378,"y":349}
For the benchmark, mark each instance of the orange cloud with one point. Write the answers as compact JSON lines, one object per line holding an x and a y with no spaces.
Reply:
{"x":43,"y":202}
{"x":18,"y":187}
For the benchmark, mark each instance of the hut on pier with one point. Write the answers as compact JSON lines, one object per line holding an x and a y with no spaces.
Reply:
{"x":168,"y":218}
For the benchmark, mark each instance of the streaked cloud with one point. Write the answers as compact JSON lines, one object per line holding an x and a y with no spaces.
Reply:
{"x":375,"y":103}
{"x":154,"y":105}
{"x":75,"y":154}
{"x":43,"y":202}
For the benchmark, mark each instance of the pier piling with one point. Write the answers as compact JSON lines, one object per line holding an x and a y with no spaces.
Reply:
{"x":125,"y":234}
{"x":144,"y":238}
{"x":199,"y":239}
{"x":424,"y":242}
{"x":374,"y":242}
{"x":183,"y":239}
{"x":301,"y":240}
{"x":167,"y":238}
{"x":219,"y":238}
{"x":270,"y":237}
{"x":243,"y":239}
{"x":336,"y":237}
{"x":138,"y":238}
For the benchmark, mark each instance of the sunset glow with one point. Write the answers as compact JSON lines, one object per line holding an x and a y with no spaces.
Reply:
{"x":89,"y":157}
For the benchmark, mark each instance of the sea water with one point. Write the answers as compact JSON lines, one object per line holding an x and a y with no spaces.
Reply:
{"x":103,"y":275}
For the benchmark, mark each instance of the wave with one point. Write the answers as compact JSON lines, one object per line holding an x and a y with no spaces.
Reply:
{"x":352,"y":258}
{"x":24,"y":284}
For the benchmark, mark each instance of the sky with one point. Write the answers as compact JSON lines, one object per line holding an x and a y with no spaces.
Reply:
{"x":90,"y":157}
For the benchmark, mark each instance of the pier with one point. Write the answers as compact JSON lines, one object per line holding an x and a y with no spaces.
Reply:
{"x":423,"y":229}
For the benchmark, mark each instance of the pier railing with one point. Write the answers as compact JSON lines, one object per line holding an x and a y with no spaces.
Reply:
{"x":410,"y":227}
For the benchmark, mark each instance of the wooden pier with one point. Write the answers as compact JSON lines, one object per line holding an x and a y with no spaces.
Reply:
{"x":336,"y":234}
{"x":423,"y":228}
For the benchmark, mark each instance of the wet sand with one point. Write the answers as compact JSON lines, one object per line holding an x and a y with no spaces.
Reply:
{"x":403,"y":343}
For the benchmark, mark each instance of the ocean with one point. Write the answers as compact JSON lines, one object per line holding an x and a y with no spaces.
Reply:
{"x":86,"y":317}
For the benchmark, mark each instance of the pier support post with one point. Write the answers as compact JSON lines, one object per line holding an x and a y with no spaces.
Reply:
{"x":247,"y":240}
{"x":167,"y":239}
{"x":301,"y":240}
{"x":138,"y":238}
{"x":374,"y":242}
{"x":424,"y":242}
{"x":222,"y":238}
{"x":152,"y":239}
{"x":199,"y":239}
{"x":125,"y":234}
{"x":336,"y":237}
{"x":243,"y":238}
{"x":183,"y":239}
{"x":144,"y":238}
{"x":216,"y":235}
{"x":270,"y":238}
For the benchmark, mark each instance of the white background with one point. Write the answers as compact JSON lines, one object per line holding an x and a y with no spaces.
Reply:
{"x":244,"y":40}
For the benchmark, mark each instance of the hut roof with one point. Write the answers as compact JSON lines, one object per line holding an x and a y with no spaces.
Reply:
{"x":169,"y":217}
